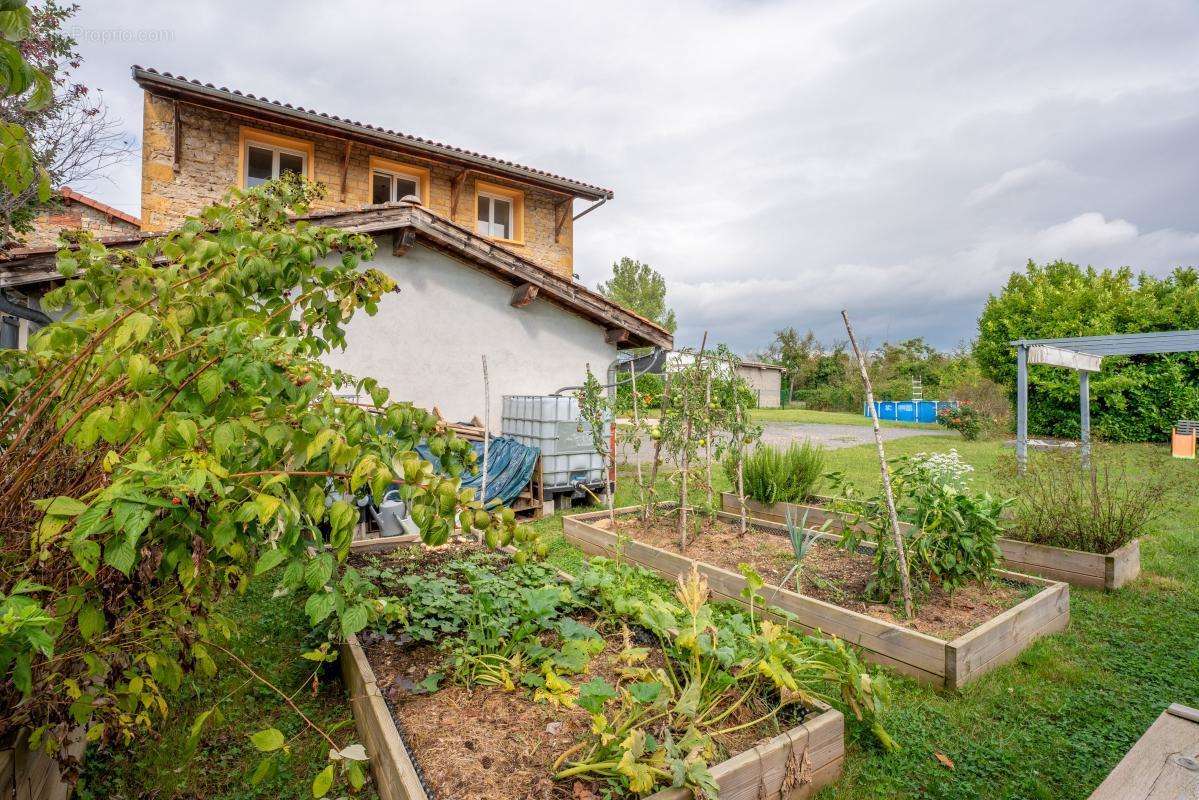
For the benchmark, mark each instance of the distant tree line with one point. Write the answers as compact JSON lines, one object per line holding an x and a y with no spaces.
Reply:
{"x":1137,"y":398}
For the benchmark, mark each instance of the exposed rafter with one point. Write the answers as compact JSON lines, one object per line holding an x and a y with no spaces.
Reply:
{"x":523,"y":294}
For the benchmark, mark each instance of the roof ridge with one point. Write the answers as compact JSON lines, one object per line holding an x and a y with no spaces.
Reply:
{"x":79,"y":197}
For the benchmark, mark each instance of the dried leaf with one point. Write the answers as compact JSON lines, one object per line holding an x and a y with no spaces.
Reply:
{"x":945,"y":760}
{"x":580,"y":791}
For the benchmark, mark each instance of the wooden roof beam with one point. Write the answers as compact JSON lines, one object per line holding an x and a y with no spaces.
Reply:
{"x":401,"y":241}
{"x":523,"y":294}
{"x":617,"y":336}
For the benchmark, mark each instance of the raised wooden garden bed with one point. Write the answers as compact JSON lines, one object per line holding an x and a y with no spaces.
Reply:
{"x":31,"y":774}
{"x":812,"y":752}
{"x":930,"y":659}
{"x":1076,"y":567}
{"x":1162,"y":765}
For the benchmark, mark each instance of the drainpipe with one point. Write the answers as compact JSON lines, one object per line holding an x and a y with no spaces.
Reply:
{"x":588,"y":210}
{"x":23,"y":312}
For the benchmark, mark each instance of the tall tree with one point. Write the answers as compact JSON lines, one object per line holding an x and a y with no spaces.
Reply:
{"x":1134,"y":398}
{"x":641,"y":289}
{"x":71,"y":136}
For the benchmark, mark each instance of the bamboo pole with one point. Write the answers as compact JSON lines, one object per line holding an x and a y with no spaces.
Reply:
{"x":653,"y":471}
{"x":636,"y":428}
{"x":905,"y":579}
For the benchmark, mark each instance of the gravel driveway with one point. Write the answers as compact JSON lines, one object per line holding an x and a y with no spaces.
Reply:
{"x":833,"y":437}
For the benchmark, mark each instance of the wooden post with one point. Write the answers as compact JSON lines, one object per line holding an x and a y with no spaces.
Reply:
{"x":740,"y":444}
{"x":708,"y":434}
{"x":636,"y":427}
{"x":1021,"y":407}
{"x":882,"y":465}
{"x":653,"y":470}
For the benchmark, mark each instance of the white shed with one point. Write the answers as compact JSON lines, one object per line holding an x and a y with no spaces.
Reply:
{"x":766,"y":381}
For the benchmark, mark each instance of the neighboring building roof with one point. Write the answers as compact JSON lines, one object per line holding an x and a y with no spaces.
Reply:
{"x":207,"y":94}
{"x":762,"y":365}
{"x":36,"y":265}
{"x":67,"y":193}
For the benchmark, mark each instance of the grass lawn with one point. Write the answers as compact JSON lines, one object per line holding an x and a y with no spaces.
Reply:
{"x":272,"y":632}
{"x":785,"y":415}
{"x":797,"y":415}
{"x":1053,"y":723}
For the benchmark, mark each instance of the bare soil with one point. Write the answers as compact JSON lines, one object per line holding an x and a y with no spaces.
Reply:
{"x":484,"y":743}
{"x":829,"y":573}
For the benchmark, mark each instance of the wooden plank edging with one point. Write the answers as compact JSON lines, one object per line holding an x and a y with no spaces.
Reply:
{"x":819,"y":740}
{"x":929,"y":659}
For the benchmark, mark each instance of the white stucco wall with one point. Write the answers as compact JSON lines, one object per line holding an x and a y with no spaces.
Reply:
{"x":425,"y":344}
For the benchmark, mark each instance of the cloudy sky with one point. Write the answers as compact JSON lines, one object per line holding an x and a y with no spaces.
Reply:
{"x":776,"y":161}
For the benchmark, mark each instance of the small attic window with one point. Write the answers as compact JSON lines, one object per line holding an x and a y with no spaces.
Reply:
{"x":500,"y":212}
{"x":388,"y":187}
{"x":266,"y":156}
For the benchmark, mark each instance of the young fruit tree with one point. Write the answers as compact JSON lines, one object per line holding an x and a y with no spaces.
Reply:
{"x":176,"y":436}
{"x":741,"y":432}
{"x":596,"y":409}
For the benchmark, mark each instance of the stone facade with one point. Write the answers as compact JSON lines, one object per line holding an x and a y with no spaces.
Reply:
{"x":71,"y":214}
{"x":211,"y":161}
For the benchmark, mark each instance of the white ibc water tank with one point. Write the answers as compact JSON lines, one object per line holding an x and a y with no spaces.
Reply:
{"x":552,"y":423}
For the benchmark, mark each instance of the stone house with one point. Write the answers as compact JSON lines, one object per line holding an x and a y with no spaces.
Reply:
{"x":198,"y":140}
{"x":481,"y":247}
{"x":76,"y":211}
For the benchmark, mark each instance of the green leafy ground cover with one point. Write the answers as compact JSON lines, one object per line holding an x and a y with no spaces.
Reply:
{"x":273,"y":631}
{"x":1049,"y":725}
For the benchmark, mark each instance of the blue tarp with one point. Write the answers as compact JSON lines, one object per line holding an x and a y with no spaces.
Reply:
{"x":509,"y":467}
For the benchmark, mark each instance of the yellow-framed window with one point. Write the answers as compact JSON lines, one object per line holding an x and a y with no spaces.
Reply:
{"x":393,"y":180}
{"x":263,"y":156}
{"x":500,"y":212}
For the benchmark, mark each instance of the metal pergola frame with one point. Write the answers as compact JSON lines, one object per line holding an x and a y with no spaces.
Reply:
{"x":1084,"y":354}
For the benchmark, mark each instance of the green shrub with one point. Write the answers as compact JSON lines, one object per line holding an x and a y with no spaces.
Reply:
{"x":952,"y":541}
{"x":1097,"y":510}
{"x":773,"y":475}
{"x":965,"y":419}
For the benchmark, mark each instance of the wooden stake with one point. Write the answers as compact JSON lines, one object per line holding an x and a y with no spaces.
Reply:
{"x":486,"y":430}
{"x":653,"y":471}
{"x":708,"y":435}
{"x":740,"y":444}
{"x":636,"y":426}
{"x":905,"y":579}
